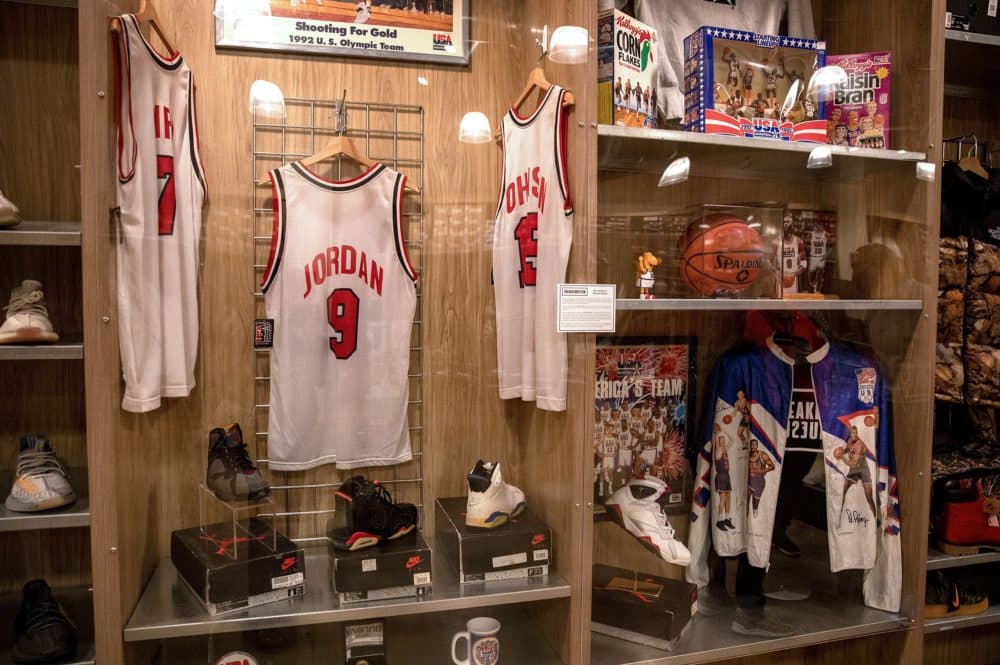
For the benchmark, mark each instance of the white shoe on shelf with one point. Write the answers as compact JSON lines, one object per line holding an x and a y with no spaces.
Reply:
{"x":491,"y":501}
{"x":27,"y":317}
{"x":638,"y":507}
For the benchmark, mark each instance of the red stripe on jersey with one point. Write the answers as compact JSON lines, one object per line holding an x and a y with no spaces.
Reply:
{"x":275,"y":231}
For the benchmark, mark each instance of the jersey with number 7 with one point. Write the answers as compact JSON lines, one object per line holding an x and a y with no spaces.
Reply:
{"x":531,"y":243}
{"x":341,"y":291}
{"x":161,"y":189}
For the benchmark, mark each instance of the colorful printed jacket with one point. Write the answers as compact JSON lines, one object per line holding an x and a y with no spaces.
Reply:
{"x":851,"y":392}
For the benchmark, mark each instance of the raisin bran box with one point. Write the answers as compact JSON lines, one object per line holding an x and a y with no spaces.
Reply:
{"x":626,"y":71}
{"x":857,"y":110}
{"x":737,"y":83}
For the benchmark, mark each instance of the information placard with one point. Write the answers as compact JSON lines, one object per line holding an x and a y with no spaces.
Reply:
{"x":586,"y":308}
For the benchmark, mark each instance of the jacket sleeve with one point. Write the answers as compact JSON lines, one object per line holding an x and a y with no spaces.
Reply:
{"x":700,"y":533}
{"x":883,"y":582}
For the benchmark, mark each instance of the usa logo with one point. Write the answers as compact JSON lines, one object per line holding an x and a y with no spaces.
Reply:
{"x":866,"y":384}
{"x":237,"y":658}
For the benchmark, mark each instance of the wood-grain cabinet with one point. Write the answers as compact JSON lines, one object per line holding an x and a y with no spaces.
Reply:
{"x":142,"y":472}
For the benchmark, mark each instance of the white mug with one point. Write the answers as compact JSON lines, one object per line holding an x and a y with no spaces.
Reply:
{"x":483,"y":637}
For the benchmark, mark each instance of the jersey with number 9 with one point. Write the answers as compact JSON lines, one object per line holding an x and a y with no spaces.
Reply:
{"x":341,"y":291}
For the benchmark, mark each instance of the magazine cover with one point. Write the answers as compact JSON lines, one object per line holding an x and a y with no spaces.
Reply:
{"x":642,"y":393}
{"x":857,"y":113}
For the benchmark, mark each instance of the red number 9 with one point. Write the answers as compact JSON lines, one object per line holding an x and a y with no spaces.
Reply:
{"x":342,"y":314}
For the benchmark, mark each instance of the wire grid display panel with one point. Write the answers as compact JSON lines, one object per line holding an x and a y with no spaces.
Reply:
{"x":394,"y":136}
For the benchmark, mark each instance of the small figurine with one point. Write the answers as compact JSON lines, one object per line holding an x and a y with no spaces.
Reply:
{"x":748,"y":79}
{"x":818,"y":241}
{"x":771,"y":76}
{"x":793,"y":259}
{"x":733,"y":81}
{"x":644,"y":279}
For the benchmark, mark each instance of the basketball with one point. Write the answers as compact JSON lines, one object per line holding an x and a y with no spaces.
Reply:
{"x":727,"y":419}
{"x":838,"y":452}
{"x":720,"y":255}
{"x":869,"y":421}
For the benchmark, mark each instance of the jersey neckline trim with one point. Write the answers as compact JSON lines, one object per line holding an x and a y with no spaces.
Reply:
{"x":170,"y":63}
{"x":525,"y":121}
{"x":338,"y":185}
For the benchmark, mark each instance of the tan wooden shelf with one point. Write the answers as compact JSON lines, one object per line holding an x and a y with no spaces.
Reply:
{"x":28,"y":233}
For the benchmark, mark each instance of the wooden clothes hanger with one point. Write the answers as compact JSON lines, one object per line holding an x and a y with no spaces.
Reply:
{"x":147,"y":14}
{"x":536,"y":81}
{"x":970,"y":164}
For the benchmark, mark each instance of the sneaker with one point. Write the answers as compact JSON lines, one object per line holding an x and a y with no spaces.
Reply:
{"x":759,"y":623}
{"x":27,"y":319}
{"x":44,"y":634}
{"x":964,"y":526}
{"x":231,"y":474}
{"x":9,"y":214}
{"x":491,"y":501}
{"x":946,"y":597}
{"x":39,"y":478}
{"x":785,"y":545}
{"x":639,"y":508}
{"x":371,"y":515}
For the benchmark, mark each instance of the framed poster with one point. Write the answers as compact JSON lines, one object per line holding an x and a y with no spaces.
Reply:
{"x":643,"y":393}
{"x":425,"y":30}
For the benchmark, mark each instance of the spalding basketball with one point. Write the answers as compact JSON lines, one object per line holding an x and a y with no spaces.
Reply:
{"x":720,"y":254}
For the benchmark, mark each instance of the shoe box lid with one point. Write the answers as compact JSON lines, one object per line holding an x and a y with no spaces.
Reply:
{"x":520,"y":548}
{"x":403,"y":565}
{"x":229,"y":573}
{"x":640,"y":607}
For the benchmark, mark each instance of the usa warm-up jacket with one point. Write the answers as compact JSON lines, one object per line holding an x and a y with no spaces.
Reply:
{"x":853,"y":405}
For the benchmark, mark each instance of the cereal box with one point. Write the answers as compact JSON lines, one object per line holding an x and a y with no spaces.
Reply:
{"x":626,"y":71}
{"x":857,"y":110}
{"x":747,"y":84}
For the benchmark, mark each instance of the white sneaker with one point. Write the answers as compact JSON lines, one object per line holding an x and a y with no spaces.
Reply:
{"x":638,"y":508}
{"x":40,"y":479}
{"x":27,"y":317}
{"x":9,"y":214}
{"x":491,"y":501}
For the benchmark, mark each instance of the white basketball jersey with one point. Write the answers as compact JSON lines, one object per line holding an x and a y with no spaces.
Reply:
{"x":791,"y":249}
{"x":531,"y":242}
{"x":817,"y":249}
{"x":161,"y":188}
{"x":342,"y":294}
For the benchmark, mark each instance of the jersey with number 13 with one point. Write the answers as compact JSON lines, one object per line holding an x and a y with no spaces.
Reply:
{"x":531,"y":243}
{"x":341,"y":291}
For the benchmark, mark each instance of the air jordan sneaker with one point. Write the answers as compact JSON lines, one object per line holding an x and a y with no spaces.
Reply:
{"x":491,"y":501}
{"x":640,"y":508}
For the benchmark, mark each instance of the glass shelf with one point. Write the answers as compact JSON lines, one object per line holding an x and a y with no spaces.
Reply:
{"x":77,"y":515}
{"x":642,"y":150}
{"x":746,"y":304}
{"x":59,"y":351}
{"x":168,"y":609}
{"x":972,"y":37}
{"x":937,"y":559}
{"x":28,"y":233}
{"x":990,"y":616}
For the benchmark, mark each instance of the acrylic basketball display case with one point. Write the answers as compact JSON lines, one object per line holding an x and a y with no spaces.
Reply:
{"x":705,"y":251}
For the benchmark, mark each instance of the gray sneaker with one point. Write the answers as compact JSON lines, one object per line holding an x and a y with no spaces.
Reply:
{"x":27,"y":318}
{"x":40,"y":481}
{"x":713,"y":600}
{"x":758,"y":623}
{"x":231,"y":474}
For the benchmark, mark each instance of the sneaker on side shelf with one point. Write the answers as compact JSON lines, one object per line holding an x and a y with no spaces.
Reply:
{"x":639,"y":507}
{"x":44,"y":634}
{"x":371,"y":515}
{"x":40,"y":481}
{"x":10,"y":216}
{"x":231,"y":474}
{"x":27,"y":318}
{"x":491,"y":501}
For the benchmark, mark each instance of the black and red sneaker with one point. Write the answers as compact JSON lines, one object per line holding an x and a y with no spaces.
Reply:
{"x":371,"y":517}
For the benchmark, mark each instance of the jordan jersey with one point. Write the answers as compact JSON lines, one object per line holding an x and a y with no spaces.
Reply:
{"x":342,"y":294}
{"x":161,"y":188}
{"x":531,"y":242}
{"x":791,"y":264}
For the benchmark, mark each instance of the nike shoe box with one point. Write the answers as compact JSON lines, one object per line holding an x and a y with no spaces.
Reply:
{"x":640,"y":608}
{"x":396,"y":569}
{"x":364,"y":643}
{"x":973,"y":16}
{"x":520,"y":548}
{"x":256,"y":567}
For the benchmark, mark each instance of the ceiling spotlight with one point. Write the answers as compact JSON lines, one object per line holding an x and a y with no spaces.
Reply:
{"x":569,"y":45}
{"x":266,"y":100}
{"x":820,"y":157}
{"x":676,"y":171}
{"x":475,"y":128}
{"x":422,"y":80}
